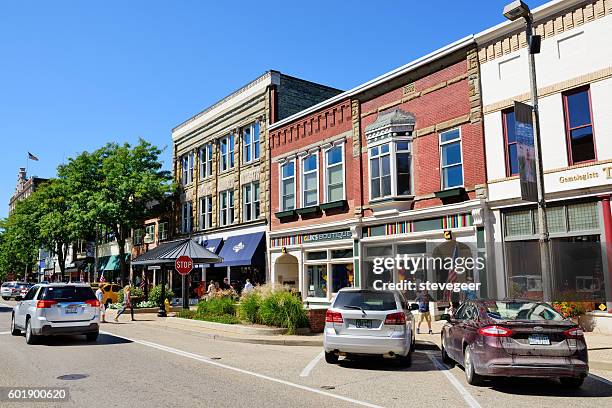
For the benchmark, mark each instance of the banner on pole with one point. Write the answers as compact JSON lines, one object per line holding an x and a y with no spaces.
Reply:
{"x":525,"y":147}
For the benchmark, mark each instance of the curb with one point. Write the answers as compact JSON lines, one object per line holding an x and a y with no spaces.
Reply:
{"x":228,"y":328}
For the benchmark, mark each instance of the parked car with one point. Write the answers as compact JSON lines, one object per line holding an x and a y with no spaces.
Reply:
{"x":369,"y":322}
{"x":518,"y":338}
{"x":57,"y":309}
{"x":11,"y":290}
{"x":109,"y":290}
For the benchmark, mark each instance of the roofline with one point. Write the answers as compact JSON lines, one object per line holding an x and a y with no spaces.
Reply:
{"x":539,"y":13}
{"x":225,"y":98}
{"x":419,"y":62}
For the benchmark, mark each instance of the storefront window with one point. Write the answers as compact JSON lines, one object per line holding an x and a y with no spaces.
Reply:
{"x":342,"y":276}
{"x":317,"y":281}
{"x":316,"y":255}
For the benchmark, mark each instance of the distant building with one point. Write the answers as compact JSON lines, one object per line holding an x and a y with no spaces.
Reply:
{"x":25,"y":186}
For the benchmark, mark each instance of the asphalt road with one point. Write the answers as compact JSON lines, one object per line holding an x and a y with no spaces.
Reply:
{"x":133,"y":365}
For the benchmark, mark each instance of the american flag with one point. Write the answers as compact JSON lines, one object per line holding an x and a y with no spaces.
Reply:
{"x":102,"y":280}
{"x":142,"y":283}
{"x":452,"y":274}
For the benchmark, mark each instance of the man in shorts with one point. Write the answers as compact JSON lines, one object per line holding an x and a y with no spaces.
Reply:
{"x":100,"y":297}
{"x":423,"y":300}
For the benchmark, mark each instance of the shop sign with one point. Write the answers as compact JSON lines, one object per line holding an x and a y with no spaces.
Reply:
{"x":326,"y":236}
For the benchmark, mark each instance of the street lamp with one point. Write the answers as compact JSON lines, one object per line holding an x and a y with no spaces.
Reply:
{"x":514,"y":11}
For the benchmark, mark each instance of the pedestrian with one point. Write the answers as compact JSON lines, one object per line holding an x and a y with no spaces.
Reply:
{"x":226,"y":284}
{"x":127,"y":302}
{"x":100,"y":297}
{"x":423,"y":300}
{"x":248,"y":287}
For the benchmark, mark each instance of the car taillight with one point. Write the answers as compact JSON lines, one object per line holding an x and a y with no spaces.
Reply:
{"x":333,"y":317}
{"x":574,"y":333}
{"x":43,"y":304}
{"x":395,"y":318}
{"x":93,"y":303}
{"x":495,"y":331}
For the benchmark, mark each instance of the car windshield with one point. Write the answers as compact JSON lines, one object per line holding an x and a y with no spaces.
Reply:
{"x":68,"y":293}
{"x":522,"y":310}
{"x":365,"y":300}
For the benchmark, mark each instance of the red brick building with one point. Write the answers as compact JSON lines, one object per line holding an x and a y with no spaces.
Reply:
{"x":391,"y":167}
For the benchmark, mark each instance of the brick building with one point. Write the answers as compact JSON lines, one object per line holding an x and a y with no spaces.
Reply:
{"x":221,"y":162}
{"x":412,"y":159}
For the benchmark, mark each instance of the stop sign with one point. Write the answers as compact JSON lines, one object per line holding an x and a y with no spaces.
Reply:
{"x":183,"y":264}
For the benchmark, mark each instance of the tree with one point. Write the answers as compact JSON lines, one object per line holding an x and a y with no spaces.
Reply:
{"x":20,"y":239}
{"x":115,"y":186}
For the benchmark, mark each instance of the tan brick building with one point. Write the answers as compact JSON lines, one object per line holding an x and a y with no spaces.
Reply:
{"x":221,"y":161}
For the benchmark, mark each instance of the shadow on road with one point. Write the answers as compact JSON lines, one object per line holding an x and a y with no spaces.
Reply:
{"x":591,"y":388}
{"x":4,"y":309}
{"x":420,"y":361}
{"x":103,"y":340}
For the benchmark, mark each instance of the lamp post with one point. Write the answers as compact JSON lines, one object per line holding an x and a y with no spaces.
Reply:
{"x":514,"y":11}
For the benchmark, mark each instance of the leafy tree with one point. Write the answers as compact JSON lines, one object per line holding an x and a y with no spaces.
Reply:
{"x":20,"y":239}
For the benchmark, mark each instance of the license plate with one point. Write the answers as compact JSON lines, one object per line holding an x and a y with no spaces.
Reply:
{"x":72,"y":309}
{"x":539,"y":340}
{"x":363,"y":324}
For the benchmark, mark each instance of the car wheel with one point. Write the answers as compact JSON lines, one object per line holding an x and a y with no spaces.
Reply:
{"x":14,"y":330}
{"x":405,"y":361}
{"x":571,"y":382}
{"x":29,"y":336}
{"x":6,"y":298}
{"x":331,"y":358}
{"x":92,"y":336}
{"x":468,"y":364}
{"x":445,"y":357}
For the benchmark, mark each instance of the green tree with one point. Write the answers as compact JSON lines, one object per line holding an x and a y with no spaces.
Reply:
{"x":20,"y":239}
{"x":117,"y":186}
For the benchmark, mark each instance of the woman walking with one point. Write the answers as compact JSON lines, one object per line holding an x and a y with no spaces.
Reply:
{"x":127,"y":302}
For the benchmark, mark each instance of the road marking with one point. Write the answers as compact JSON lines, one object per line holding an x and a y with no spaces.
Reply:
{"x":8,"y":332}
{"x":306,"y":371}
{"x":451,"y":378}
{"x":240,"y":370}
{"x":598,"y":378}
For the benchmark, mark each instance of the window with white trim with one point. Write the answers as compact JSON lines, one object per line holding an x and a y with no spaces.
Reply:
{"x":250,"y":141}
{"x":205,"y":217}
{"x":226,"y":207}
{"x":206,"y":153}
{"x":250,"y":199}
{"x":226,"y":158}
{"x":334,"y":174}
{"x":310,"y":180}
{"x":451,"y":163}
{"x":380,"y":171}
{"x":187,"y":167}
{"x":390,"y":169}
{"x":187,"y":217}
{"x":287,"y":186}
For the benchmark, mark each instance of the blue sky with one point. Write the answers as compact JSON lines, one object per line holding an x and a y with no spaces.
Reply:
{"x":77,"y":74}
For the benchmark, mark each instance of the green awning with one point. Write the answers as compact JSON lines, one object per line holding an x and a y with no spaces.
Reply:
{"x":113,"y":263}
{"x":102,"y":261}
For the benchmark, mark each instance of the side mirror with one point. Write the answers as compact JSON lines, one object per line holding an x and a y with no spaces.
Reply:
{"x":445,"y":316}
{"x":18,"y":298}
{"x":414,"y":306}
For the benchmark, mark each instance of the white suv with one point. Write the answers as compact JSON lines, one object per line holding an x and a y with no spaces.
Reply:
{"x":370,"y":322}
{"x":57,"y":309}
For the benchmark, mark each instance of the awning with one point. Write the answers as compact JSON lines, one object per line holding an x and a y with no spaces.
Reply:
{"x":102,"y":261}
{"x":213,"y":245}
{"x":241,"y":250}
{"x":113,"y":263}
{"x":168,"y":252}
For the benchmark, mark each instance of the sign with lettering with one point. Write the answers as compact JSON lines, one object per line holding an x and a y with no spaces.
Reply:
{"x":326,"y":236}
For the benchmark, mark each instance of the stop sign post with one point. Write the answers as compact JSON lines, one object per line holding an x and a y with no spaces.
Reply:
{"x":184,"y":265}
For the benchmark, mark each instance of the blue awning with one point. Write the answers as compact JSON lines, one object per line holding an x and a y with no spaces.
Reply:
{"x":243,"y":250}
{"x":213,"y":245}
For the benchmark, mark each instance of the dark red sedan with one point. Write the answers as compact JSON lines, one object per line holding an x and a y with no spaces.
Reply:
{"x":518,"y":338}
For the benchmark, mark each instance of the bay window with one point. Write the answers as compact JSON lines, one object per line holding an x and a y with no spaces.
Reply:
{"x":451,"y":163}
{"x":287,"y":186}
{"x":226,"y":204}
{"x":402,"y":167}
{"x":310,"y":181}
{"x":334,"y":170}
{"x":579,"y":126}
{"x":205,"y":212}
{"x":250,"y":198}
{"x":380,"y":171}
{"x":510,"y":142}
{"x":250,"y":139}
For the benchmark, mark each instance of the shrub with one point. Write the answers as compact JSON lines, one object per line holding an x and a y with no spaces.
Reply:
{"x":146,"y":303}
{"x":136,"y":292}
{"x":185,"y":314}
{"x":248,"y":310}
{"x":217,"y":306}
{"x":155,"y":294}
{"x":283,"y":309}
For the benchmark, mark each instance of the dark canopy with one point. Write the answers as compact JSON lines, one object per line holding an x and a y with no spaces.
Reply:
{"x":168,"y":252}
